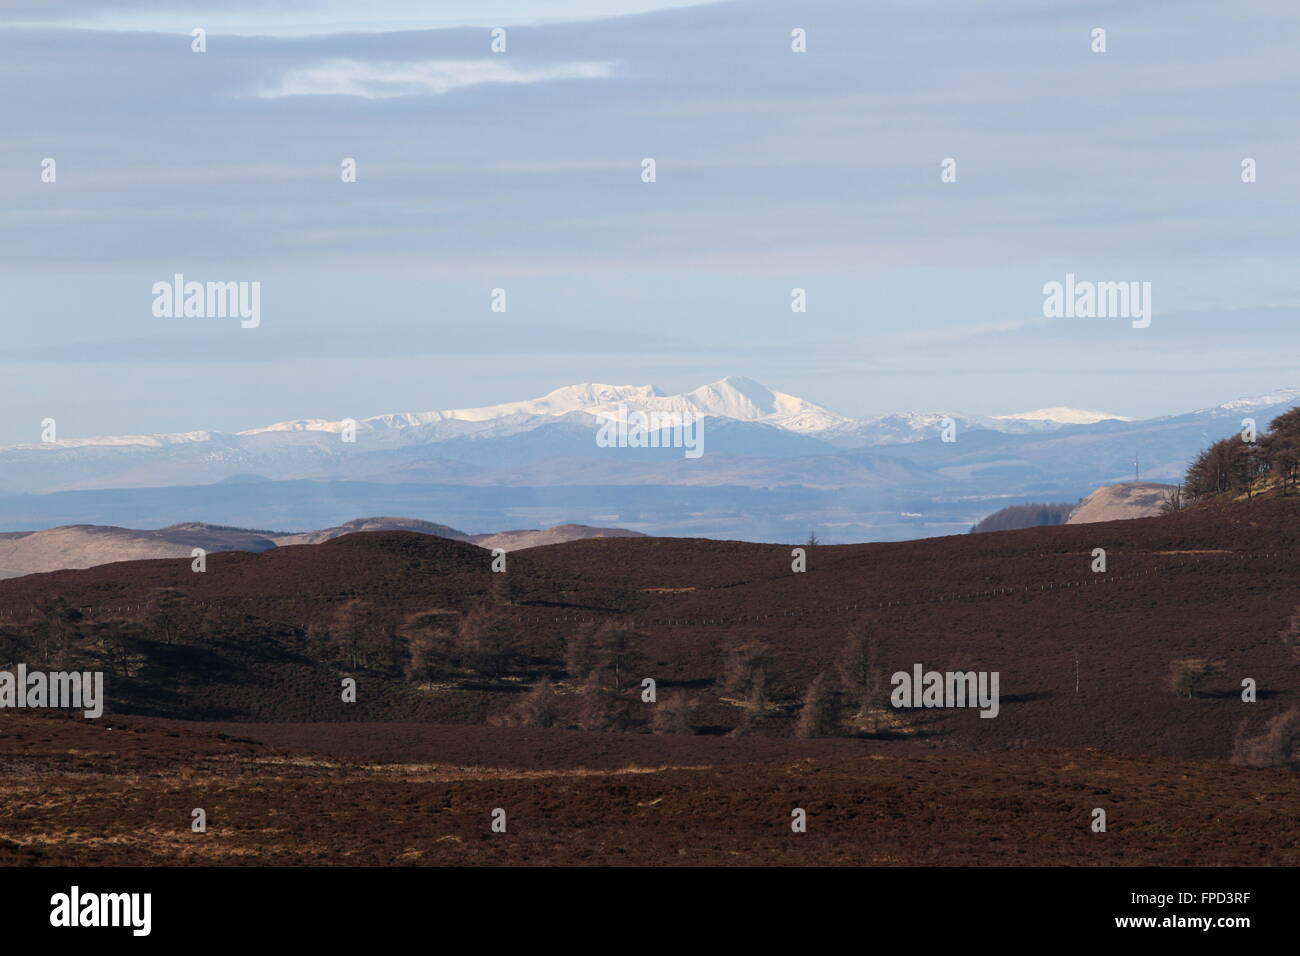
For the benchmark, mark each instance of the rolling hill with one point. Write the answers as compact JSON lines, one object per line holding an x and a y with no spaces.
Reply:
{"x":1134,"y":499}
{"x":85,"y":546}
{"x":261,"y":632}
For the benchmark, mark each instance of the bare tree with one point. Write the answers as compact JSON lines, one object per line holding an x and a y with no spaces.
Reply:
{"x":1185,"y":676}
{"x":745,"y":669}
{"x":430,"y":653}
{"x":756,"y":706}
{"x":56,"y":628}
{"x":858,"y":665}
{"x":614,"y":646}
{"x":580,"y":651}
{"x":673,"y":715}
{"x":861,"y":675}
{"x":348,"y":631}
{"x":166,"y":618}
{"x":820,"y":715}
{"x":484,"y":642}
{"x":539,"y":707}
{"x":598,"y":708}
{"x":1278,"y":746}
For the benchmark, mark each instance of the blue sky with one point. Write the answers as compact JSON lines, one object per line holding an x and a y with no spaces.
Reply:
{"x":522,"y":171}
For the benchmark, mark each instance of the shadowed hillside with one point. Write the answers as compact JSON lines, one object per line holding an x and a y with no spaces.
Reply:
{"x":566,"y":634}
{"x":1015,"y":517}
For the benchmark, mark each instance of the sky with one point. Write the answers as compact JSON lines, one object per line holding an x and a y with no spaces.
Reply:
{"x":522,"y":171}
{"x":297,"y":18}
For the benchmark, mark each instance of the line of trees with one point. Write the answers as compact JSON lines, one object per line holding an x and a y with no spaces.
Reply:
{"x":1236,"y":465}
{"x":858,"y":697}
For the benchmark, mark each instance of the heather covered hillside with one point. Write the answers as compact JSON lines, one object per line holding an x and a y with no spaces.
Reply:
{"x":736,"y":640}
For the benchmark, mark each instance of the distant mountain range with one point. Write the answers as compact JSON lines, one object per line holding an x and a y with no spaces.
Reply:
{"x":538,"y":462}
{"x":311,"y":448}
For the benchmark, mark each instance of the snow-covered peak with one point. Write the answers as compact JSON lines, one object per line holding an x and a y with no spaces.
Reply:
{"x":122,"y":441}
{"x":1281,"y":396}
{"x":739,"y":399}
{"x":1062,"y":416}
{"x":561,"y":401}
{"x":747,"y":400}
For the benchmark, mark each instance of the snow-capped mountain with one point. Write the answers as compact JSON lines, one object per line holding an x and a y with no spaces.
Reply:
{"x":897,"y":428}
{"x":741,"y":399}
{"x":1062,"y":416}
{"x":735,"y":398}
{"x":573,"y":398}
{"x":508,"y":443}
{"x":1281,"y":396}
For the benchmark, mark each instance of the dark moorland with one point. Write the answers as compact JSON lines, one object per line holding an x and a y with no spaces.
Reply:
{"x":522,"y":690}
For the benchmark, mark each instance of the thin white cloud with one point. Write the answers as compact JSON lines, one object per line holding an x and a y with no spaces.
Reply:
{"x":298,"y":18}
{"x":386,"y":80}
